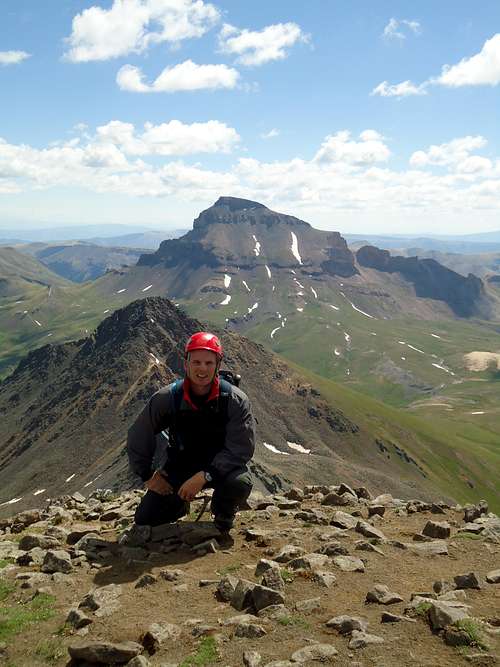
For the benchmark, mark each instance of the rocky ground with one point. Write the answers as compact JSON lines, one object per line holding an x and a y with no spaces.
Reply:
{"x":317,"y":575}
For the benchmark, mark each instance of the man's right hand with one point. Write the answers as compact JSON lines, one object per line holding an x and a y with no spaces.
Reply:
{"x":159,"y":484}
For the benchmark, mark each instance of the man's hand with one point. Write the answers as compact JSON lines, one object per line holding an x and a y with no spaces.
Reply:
{"x":192,"y":486}
{"x":159,"y":484}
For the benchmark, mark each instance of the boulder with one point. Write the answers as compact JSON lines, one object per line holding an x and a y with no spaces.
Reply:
{"x":264,"y":597}
{"x":349,"y":564}
{"x":443,"y":613}
{"x":57,"y":561}
{"x":104,"y":652}
{"x":469,"y":580}
{"x":345,"y":625}
{"x":318,"y":652}
{"x":381,"y":594}
{"x":437,"y":529}
{"x":368,"y":530}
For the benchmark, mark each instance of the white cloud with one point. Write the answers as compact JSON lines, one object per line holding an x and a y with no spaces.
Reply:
{"x":13,"y":57}
{"x":271,"y":134}
{"x":483,"y":69}
{"x":451,"y":153}
{"x":397,"y":29}
{"x":340,"y":148}
{"x":132,"y":26}
{"x":185,"y":76}
{"x":256,"y":47}
{"x":172,"y":138}
{"x":403,"y":89}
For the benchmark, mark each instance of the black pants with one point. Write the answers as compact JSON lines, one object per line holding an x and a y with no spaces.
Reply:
{"x":155,"y":509}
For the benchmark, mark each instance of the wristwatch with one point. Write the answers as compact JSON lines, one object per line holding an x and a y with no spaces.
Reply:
{"x":208,"y":476}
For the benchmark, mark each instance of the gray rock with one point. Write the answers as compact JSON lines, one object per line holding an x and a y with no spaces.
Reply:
{"x":319,"y":652}
{"x":381,"y":594}
{"x":306,"y":606}
{"x":239,"y":618}
{"x":137,"y":536}
{"x":158,"y":634}
{"x":30,"y":541}
{"x":333,"y":549}
{"x":104,"y":652}
{"x":384,"y":499}
{"x":437,"y":529}
{"x":362,"y":639}
{"x":345,"y":625}
{"x":333,"y":499}
{"x":206,"y":547}
{"x":251,"y":659}
{"x":442,"y":586}
{"x":294,"y":493}
{"x":324,"y":578}
{"x":309,"y":562}
{"x":436,"y":548}
{"x":140,"y":661}
{"x":264,"y":597}
{"x":265,"y":564}
{"x":226,"y":587}
{"x":343,"y":520}
{"x":272,"y":579}
{"x":493,"y":577}
{"x":274,"y":611}
{"x":394,"y":618}
{"x":103,"y":600}
{"x":78,"y":619}
{"x":146,"y":580}
{"x":349,"y":564}
{"x":344,"y":488}
{"x":368,"y":530}
{"x":470,"y":580}
{"x":376,"y":509}
{"x":249,"y":630}
{"x":57,"y":561}
{"x":368,"y":546}
{"x":242,"y":596}
{"x":288,"y":553}
{"x":171,"y":575}
{"x":443,"y":613}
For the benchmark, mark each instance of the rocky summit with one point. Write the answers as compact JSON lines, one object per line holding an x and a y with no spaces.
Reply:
{"x":297,"y":582}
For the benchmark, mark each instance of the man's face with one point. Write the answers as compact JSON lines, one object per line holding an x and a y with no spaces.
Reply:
{"x":200,"y":369}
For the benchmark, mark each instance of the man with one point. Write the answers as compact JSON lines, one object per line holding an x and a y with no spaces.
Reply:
{"x":211,"y":433}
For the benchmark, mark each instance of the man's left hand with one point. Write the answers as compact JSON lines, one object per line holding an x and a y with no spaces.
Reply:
{"x":192,"y":486}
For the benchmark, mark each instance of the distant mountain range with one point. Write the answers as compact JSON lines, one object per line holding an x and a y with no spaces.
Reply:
{"x":485,"y":242}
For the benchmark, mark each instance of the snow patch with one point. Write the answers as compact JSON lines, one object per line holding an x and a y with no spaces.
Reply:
{"x":255,"y":305}
{"x":275,"y":449}
{"x":122,"y":290}
{"x":314,"y":292}
{"x":300,"y":309}
{"x":443,"y":368}
{"x":245,"y":284}
{"x":227,"y":280}
{"x":347,"y":337}
{"x":11,"y":502}
{"x":274,"y":331}
{"x":105,"y":311}
{"x":435,"y":336}
{"x":478,"y":412}
{"x":155,"y":358}
{"x":226,"y":300}
{"x":362,"y":312}
{"x":415,"y":348}
{"x":334,"y":307}
{"x":37,"y":322}
{"x":146,"y":288}
{"x":336,"y":352}
{"x":257,"y":246}
{"x":298,"y":448}
{"x":71,"y":477}
{"x":269,"y":274}
{"x":295,"y":248}
{"x":38,"y":492}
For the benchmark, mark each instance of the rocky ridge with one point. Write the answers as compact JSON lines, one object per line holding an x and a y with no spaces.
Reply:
{"x":320,"y":574}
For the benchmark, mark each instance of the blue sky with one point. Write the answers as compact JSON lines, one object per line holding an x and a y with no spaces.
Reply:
{"x":355,"y":116}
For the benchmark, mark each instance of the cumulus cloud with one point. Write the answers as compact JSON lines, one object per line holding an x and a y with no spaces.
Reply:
{"x":345,"y":174}
{"x":172,"y":138}
{"x":403,"y":89}
{"x":340,"y":148}
{"x":256,"y":47}
{"x":132,"y":26}
{"x":13,"y":57}
{"x":399,"y":28}
{"x":483,"y":69}
{"x":185,"y":76}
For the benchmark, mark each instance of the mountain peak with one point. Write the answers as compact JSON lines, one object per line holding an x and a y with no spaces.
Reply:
{"x":237,"y":204}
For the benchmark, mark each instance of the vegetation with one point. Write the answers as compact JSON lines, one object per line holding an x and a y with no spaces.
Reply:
{"x":16,"y":618}
{"x":50,"y":650}
{"x":294,"y":620}
{"x":286,"y":575}
{"x":228,"y":569}
{"x":422,"y":609}
{"x":206,"y":654}
{"x":472,"y":629}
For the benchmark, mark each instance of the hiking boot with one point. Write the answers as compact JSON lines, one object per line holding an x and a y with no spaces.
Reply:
{"x":224,"y":523}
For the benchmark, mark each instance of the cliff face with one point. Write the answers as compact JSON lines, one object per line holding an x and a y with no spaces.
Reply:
{"x":234,"y":211}
{"x":430,"y":279}
{"x":340,"y":260}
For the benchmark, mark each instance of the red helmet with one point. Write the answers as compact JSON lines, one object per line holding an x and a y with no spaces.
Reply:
{"x":204,"y":341}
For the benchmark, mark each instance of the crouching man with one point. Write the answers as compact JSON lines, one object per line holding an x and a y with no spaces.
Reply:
{"x":211,"y":434}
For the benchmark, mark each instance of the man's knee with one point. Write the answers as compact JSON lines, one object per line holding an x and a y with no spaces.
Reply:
{"x":237,"y":484}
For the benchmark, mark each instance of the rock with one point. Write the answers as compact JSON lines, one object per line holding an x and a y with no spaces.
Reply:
{"x":257,"y":534}
{"x":362,"y":492}
{"x":319,"y":652}
{"x":437,"y":509}
{"x":361,"y":639}
{"x":345,"y":625}
{"x":333,"y":549}
{"x":103,"y":601}
{"x":349,"y":564}
{"x":30,"y":541}
{"x":146,"y":580}
{"x":24,"y":519}
{"x":288,"y":553}
{"x":240,"y":618}
{"x":344,"y":488}
{"x":436,"y":529}
{"x":333,"y":499}
{"x":456,"y":637}
{"x":313,"y":515}
{"x":394,"y":618}
{"x":324,"y":578}
{"x":368,"y":546}
{"x":436,"y":548}
{"x":442,"y":586}
{"x":263,"y":597}
{"x":286,"y":504}
{"x":104,"y":652}
{"x":78,"y":619}
{"x":250,"y":630}
{"x":274,"y":611}
{"x":171,"y":575}
{"x":470,"y":580}
{"x":137,"y":536}
{"x":309,"y":562}
{"x":384,"y":499}
{"x":493,"y":577}
{"x":242,"y":596}
{"x":140,"y":661}
{"x":443,"y":613}
{"x":460,"y":595}
{"x":475,"y":528}
{"x":78,"y":497}
{"x":251,"y":659}
{"x":207,"y":582}
{"x":306,"y":606}
{"x":57,"y":561}
{"x":379,"y":510}
{"x":343,"y":520}
{"x":265,"y":564}
{"x":481,"y":659}
{"x":206,"y":547}
{"x":159,"y":633}
{"x":368,"y":530}
{"x":381,"y":594}
{"x":226,"y":587}
{"x":272,"y":579}
{"x":294,"y":493}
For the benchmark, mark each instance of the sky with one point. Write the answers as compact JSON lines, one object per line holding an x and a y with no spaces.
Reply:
{"x":361,"y":117}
